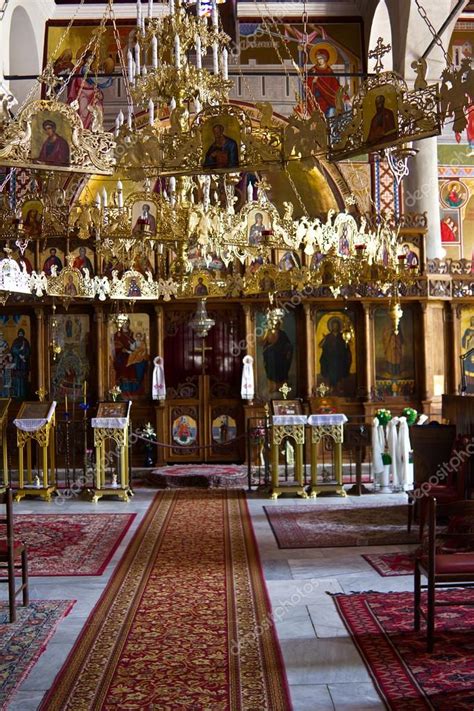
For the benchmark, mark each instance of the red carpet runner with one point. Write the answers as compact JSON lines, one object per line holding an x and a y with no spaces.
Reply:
{"x":409,"y":679}
{"x":185,"y":621}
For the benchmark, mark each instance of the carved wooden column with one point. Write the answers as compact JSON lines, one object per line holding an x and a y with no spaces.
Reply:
{"x":160,"y":405}
{"x":251,"y":345}
{"x":102,"y":363}
{"x":160,"y":330}
{"x":42,"y":347}
{"x":454,"y":348}
{"x":309,"y":315}
{"x":426,"y":370}
{"x":369,"y":374}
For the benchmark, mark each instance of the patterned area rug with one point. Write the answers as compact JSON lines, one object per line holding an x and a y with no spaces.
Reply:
{"x":208,"y":476}
{"x":184,"y":622}
{"x":71,"y":544}
{"x":22,"y":642}
{"x":409,"y":679}
{"x":390,"y":564}
{"x":319,"y":526}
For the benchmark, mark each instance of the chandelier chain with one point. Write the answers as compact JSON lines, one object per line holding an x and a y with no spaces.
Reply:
{"x":424,"y":15}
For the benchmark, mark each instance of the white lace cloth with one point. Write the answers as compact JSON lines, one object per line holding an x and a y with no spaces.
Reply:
{"x":289,"y":419}
{"x":116,"y":423}
{"x":328,"y":419}
{"x":27,"y":425}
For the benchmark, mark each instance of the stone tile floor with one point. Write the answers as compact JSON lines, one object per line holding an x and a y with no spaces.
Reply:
{"x":325,"y":671}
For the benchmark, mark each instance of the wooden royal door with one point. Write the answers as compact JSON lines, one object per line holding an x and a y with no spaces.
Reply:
{"x":204,"y":419}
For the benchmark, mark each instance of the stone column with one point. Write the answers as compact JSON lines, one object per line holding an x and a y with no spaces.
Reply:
{"x":421,"y":192}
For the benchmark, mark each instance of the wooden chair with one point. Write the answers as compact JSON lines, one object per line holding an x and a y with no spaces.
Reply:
{"x":13,"y":555}
{"x":452,"y":485}
{"x":448,"y":560}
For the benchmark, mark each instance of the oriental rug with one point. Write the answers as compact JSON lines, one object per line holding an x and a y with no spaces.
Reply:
{"x":320,"y":526}
{"x":22,"y":642}
{"x":207,"y":476}
{"x":390,"y":564}
{"x":185,"y":621}
{"x":71,"y":544}
{"x":407,"y":678}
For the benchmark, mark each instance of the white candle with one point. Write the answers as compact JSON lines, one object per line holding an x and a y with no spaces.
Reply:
{"x":214,"y":15}
{"x":150,"y":9}
{"x":97,"y":201}
{"x":144,"y":71}
{"x":137,"y":59}
{"x":171,"y":7}
{"x":121,"y":117}
{"x":172,"y":184}
{"x":129,"y":117}
{"x":151,"y":112}
{"x":131,"y":76}
{"x":177,"y":51}
{"x":225,"y":63}
{"x":154,"y":52}
{"x":197,"y":105}
{"x":250,"y":192}
{"x":215,"y":58}
{"x":105,"y":198}
{"x":119,"y":194}
{"x":139,"y":14}
{"x":172,"y":104}
{"x":117,"y":125}
{"x":198,"y":8}
{"x":198,"y":52}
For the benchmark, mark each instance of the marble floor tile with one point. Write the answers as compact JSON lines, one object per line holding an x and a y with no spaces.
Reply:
{"x":323,"y":661}
{"x":360,"y":696}
{"x":311,"y":697}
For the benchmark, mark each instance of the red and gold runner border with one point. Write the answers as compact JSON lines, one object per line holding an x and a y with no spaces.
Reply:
{"x":185,"y":621}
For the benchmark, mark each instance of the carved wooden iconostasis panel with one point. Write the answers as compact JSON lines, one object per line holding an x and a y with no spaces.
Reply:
{"x":72,"y":365}
{"x":395,"y":358}
{"x":17,"y":355}
{"x":129,"y":358}
{"x":336,"y":352}
{"x":466,"y":342}
{"x":203,"y":409}
{"x":277,"y":353}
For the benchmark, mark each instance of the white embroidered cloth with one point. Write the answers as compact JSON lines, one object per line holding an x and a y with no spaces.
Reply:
{"x":289,"y":419}
{"x":327,"y":419}
{"x":247,"y":388}
{"x":36,"y":424}
{"x":116,"y":423}
{"x":158,"y":384}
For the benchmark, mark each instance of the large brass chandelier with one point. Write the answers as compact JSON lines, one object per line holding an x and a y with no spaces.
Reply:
{"x":188,"y":148}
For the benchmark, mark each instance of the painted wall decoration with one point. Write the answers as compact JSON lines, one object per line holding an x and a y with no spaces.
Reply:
{"x":276,"y":361}
{"x":394,"y":354}
{"x":334,"y":48}
{"x":467,"y":342}
{"x":336,"y":352}
{"x":457,"y":212}
{"x":86,"y":88}
{"x":15,"y":356}
{"x":71,"y":368}
{"x":129,"y":356}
